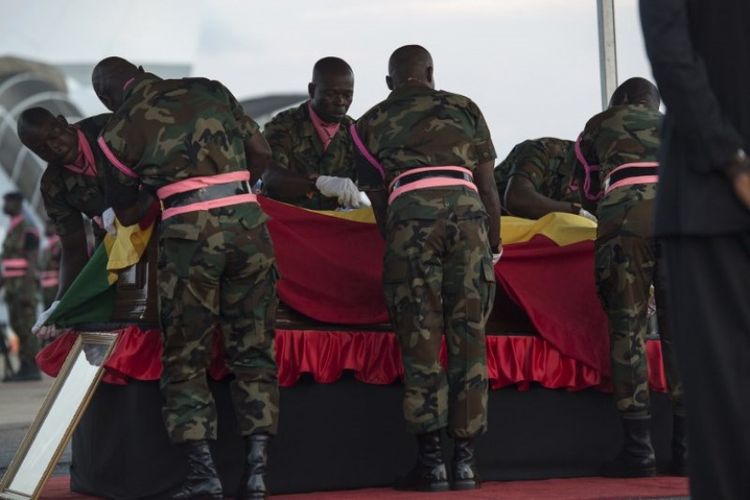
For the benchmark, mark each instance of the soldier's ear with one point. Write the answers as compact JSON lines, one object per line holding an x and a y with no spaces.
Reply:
{"x":389,"y":82}
{"x":311,"y":90}
{"x":428,"y":74}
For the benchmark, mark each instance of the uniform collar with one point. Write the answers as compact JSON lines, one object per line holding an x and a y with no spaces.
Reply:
{"x":138,"y":83}
{"x":409,"y":90}
{"x":325,"y":131}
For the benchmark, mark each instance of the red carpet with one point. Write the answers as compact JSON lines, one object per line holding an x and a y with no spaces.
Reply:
{"x":585,"y":488}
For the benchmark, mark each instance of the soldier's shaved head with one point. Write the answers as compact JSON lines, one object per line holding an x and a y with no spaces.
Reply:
{"x":12,"y":203}
{"x":636,"y":91}
{"x":109,"y":78}
{"x":332,"y":89}
{"x":50,"y":137}
{"x":30,"y":122}
{"x":410,"y":64}
{"x":330,"y":66}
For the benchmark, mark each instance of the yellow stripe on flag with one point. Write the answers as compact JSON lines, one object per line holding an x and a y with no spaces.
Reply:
{"x":125,"y":249}
{"x":562,"y":228}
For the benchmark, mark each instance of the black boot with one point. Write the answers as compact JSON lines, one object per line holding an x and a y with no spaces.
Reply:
{"x":201,"y":481}
{"x":429,"y":473}
{"x":253,"y":484}
{"x":8,"y":372}
{"x":27,"y":372}
{"x":636,"y":459}
{"x":465,"y":475}
{"x":679,"y":446}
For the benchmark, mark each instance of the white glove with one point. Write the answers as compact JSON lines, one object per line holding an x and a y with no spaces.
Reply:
{"x":496,"y":256}
{"x":364,"y":200}
{"x":342,"y":188}
{"x":585,"y":213}
{"x":39,"y":329}
{"x":108,"y":221}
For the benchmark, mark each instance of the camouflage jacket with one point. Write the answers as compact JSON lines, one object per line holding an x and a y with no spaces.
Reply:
{"x":547,"y":162}
{"x":22,"y":237}
{"x":170,"y":130}
{"x":297,"y":147}
{"x":418,"y":127}
{"x":619,"y":135}
{"x":67,"y":194}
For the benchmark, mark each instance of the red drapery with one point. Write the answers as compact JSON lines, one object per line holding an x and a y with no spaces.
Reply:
{"x":373,"y":357}
{"x":555,"y":286}
{"x":339,"y":279}
{"x":330,"y":268}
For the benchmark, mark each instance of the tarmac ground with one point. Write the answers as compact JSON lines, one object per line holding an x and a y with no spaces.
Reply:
{"x":19,"y":404}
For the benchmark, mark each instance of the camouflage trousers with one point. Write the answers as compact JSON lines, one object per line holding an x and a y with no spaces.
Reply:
{"x":625,"y":270}
{"x":223,"y":275}
{"x":438,"y":278}
{"x":22,"y":306}
{"x":48,"y":295}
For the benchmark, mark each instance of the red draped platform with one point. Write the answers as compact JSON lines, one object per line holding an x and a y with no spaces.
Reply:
{"x":331,"y":267}
{"x":373,"y":357}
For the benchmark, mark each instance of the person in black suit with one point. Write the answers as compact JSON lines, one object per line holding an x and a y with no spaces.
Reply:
{"x":700,"y":55}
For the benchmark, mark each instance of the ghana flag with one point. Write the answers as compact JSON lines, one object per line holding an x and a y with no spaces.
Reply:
{"x":331,"y":264}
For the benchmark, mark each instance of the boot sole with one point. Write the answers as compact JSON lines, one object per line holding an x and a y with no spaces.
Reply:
{"x":633,"y":473}
{"x":207,"y":497}
{"x":251,"y":497}
{"x":465,"y":485}
{"x":438,"y":487}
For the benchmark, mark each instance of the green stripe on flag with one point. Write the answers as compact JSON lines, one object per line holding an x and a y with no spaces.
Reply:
{"x":90,"y":298}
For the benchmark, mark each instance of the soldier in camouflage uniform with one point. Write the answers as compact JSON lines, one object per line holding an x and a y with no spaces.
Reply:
{"x":189,"y":143}
{"x":312,"y":149}
{"x":20,"y":281}
{"x":49,"y":266}
{"x":538,"y":175}
{"x":624,"y":141}
{"x":72,"y":186}
{"x":425,"y":159}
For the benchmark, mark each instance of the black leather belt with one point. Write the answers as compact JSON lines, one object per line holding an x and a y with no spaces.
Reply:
{"x":205,"y":194}
{"x":409,"y":178}
{"x":626,"y":173}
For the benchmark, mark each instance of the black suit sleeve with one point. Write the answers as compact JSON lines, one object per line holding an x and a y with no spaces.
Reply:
{"x":684,"y":84}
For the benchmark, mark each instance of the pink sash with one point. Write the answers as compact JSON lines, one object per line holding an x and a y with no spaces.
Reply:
{"x":193,"y":183}
{"x":114,"y":160}
{"x":430,"y":182}
{"x":629,"y":181}
{"x":48,"y":279}
{"x":364,"y":151}
{"x":589,"y":169}
{"x":14,"y":268}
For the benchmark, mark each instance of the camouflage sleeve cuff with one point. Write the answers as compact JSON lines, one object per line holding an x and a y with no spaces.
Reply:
{"x":68,"y":224}
{"x":279,"y":157}
{"x":485,"y":151}
{"x":248,"y":126}
{"x":532,"y":177}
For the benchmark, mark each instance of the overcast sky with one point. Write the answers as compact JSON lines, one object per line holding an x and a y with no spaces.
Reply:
{"x":531,"y":65}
